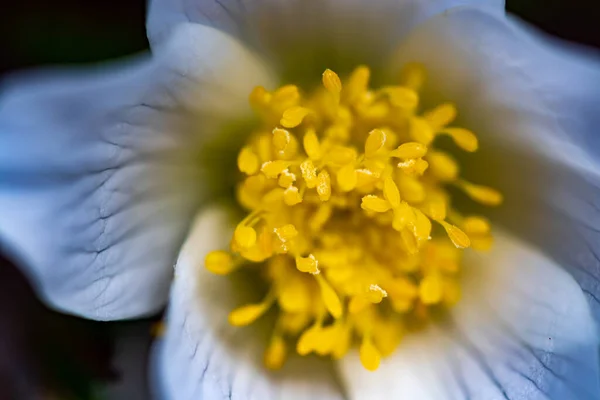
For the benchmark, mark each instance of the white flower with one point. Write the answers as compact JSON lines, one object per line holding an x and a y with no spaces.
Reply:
{"x":102,"y":172}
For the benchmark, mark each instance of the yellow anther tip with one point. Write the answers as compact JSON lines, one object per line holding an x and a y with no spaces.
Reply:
{"x":476,"y":225}
{"x":281,"y":139}
{"x":311,"y":144}
{"x":375,"y":142}
{"x":410,"y":150}
{"x":376,"y":294}
{"x":369,"y":355}
{"x":219,"y":262}
{"x":245,"y":236}
{"x":330,"y":297}
{"x":246,"y":315}
{"x":482,"y":194}
{"x":272,"y":169}
{"x":431,"y":289}
{"x":391,"y":192}
{"x":324,"y":186}
{"x":292,"y":117}
{"x":247,"y":161}
{"x":307,"y":264}
{"x":259,"y":97}
{"x":275,"y":354}
{"x":332,"y":82}
{"x":375,"y":204}
{"x":458,"y":237}
{"x":463,"y":138}
{"x":292,"y":196}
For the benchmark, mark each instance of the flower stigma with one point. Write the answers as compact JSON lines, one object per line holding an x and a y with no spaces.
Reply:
{"x":350,"y":221}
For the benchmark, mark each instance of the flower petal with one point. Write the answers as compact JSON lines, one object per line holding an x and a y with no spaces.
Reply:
{"x":99,"y":175}
{"x":523,"y":330}
{"x":533,"y":100}
{"x":202,"y":356}
{"x":307,"y":36}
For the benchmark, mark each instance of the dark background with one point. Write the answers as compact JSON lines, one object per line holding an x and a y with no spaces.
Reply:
{"x":46,"y":355}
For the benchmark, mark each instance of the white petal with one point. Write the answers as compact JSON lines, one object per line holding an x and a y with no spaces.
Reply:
{"x":307,"y":36}
{"x":201,"y":356}
{"x":533,"y":100}
{"x":523,"y":330}
{"x":99,"y":175}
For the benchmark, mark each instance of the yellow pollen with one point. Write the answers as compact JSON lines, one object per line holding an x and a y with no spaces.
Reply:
{"x":281,"y":139}
{"x":350,"y":223}
{"x":308,"y":264}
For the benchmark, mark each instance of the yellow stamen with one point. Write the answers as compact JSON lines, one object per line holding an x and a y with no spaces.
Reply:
{"x":413,"y":75}
{"x":292,"y":117}
{"x":458,"y":237}
{"x":391,"y":192}
{"x":308,"y":340}
{"x":272,"y":169}
{"x":476,"y":225}
{"x":402,"y":97}
{"x":324,"y":185}
{"x":369,"y":355}
{"x":347,"y":178}
{"x":245,"y":236}
{"x":332,"y":82}
{"x":219,"y":262}
{"x":312,"y":147}
{"x":247,"y":314}
{"x":421,"y":131}
{"x":482,"y":194}
{"x":375,"y":204}
{"x":307,"y":264}
{"x":286,"y":179}
{"x":281,"y":139}
{"x":275,"y":353}
{"x":441,"y":115}
{"x":442,"y":166}
{"x":375,"y":142}
{"x":410,"y":150}
{"x":330,"y":297}
{"x":247,"y":161}
{"x":431,"y":289}
{"x":292,"y":196}
{"x":341,"y":186}
{"x":309,"y":173}
{"x":463,"y":138}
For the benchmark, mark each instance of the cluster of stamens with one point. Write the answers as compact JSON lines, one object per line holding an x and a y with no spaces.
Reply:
{"x":347,"y":208}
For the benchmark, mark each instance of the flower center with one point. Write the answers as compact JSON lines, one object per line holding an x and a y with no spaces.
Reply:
{"x":347,"y":203}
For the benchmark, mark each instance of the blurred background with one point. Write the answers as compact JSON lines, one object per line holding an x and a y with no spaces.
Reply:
{"x":46,"y":355}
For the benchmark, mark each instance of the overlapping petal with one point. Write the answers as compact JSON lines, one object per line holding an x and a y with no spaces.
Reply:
{"x":533,"y":101}
{"x":202,"y":356}
{"x":100,"y":171}
{"x":306,"y":36}
{"x":522,"y":331}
